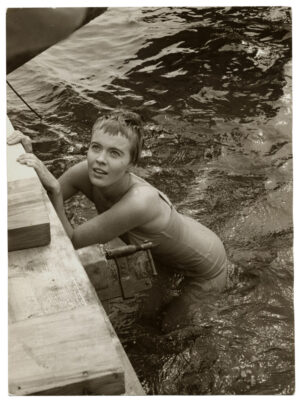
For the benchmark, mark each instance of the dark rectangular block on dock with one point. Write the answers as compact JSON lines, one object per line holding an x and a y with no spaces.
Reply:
{"x":28,"y":221}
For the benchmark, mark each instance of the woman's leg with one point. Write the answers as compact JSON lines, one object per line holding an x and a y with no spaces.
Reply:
{"x":179,"y":313}
{"x":152,"y":300}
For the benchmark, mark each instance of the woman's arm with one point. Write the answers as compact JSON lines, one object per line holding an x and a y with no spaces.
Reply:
{"x":51,"y":184}
{"x":75,"y":179}
{"x":136,"y":208}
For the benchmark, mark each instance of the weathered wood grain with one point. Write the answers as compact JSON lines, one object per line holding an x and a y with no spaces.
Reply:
{"x":102,"y":272}
{"x":28,"y":221}
{"x":67,"y":352}
{"x":54,"y":273}
{"x":49,"y":287}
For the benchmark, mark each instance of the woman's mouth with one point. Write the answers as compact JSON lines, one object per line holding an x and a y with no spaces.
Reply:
{"x":99,"y":172}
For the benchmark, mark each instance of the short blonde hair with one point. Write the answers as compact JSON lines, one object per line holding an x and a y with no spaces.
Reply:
{"x":128,"y":124}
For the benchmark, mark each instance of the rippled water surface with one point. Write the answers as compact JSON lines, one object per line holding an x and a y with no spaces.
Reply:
{"x":214,"y":87}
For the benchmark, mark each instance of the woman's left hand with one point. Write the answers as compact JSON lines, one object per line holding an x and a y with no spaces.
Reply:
{"x":49,"y":182}
{"x":19,"y":137}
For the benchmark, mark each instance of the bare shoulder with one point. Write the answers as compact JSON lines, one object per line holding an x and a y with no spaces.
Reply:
{"x":79,"y":169}
{"x":76,"y":178}
{"x":76,"y":174}
{"x":143,"y":198}
{"x":142,"y":203}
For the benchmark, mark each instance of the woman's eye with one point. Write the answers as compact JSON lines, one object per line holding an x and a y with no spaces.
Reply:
{"x":95,"y":147}
{"x":115,"y":153}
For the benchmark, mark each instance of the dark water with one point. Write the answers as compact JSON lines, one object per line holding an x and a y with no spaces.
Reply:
{"x":214,"y":87}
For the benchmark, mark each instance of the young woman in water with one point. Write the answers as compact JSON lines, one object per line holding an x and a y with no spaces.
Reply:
{"x":127,"y":204}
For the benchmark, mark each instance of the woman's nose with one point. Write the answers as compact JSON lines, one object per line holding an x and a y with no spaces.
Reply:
{"x":101,"y":157}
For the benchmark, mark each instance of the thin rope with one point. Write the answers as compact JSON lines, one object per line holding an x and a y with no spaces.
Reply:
{"x":20,"y":97}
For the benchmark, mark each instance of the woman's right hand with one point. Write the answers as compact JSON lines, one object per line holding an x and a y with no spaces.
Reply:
{"x":49,"y":182}
{"x":19,"y":137}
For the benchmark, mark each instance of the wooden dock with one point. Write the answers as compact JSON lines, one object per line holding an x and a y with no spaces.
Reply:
{"x":61,"y":341}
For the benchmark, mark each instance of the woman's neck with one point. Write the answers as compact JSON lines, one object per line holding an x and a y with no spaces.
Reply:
{"x":116,"y":191}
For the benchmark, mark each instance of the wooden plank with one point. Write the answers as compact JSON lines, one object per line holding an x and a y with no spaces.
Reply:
{"x":57,"y":279}
{"x":28,"y":222}
{"x":49,"y":287}
{"x":54,"y":351}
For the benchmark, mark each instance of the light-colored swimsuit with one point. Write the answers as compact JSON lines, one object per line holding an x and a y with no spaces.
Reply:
{"x":188,"y":246}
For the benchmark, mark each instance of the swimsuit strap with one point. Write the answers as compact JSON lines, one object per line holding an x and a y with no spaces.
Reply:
{"x":162,"y":195}
{"x":165,"y":198}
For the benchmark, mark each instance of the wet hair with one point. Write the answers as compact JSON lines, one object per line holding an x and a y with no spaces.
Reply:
{"x":126,"y":123}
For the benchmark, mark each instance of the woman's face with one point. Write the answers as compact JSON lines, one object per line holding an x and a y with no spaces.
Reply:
{"x":108,"y":158}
